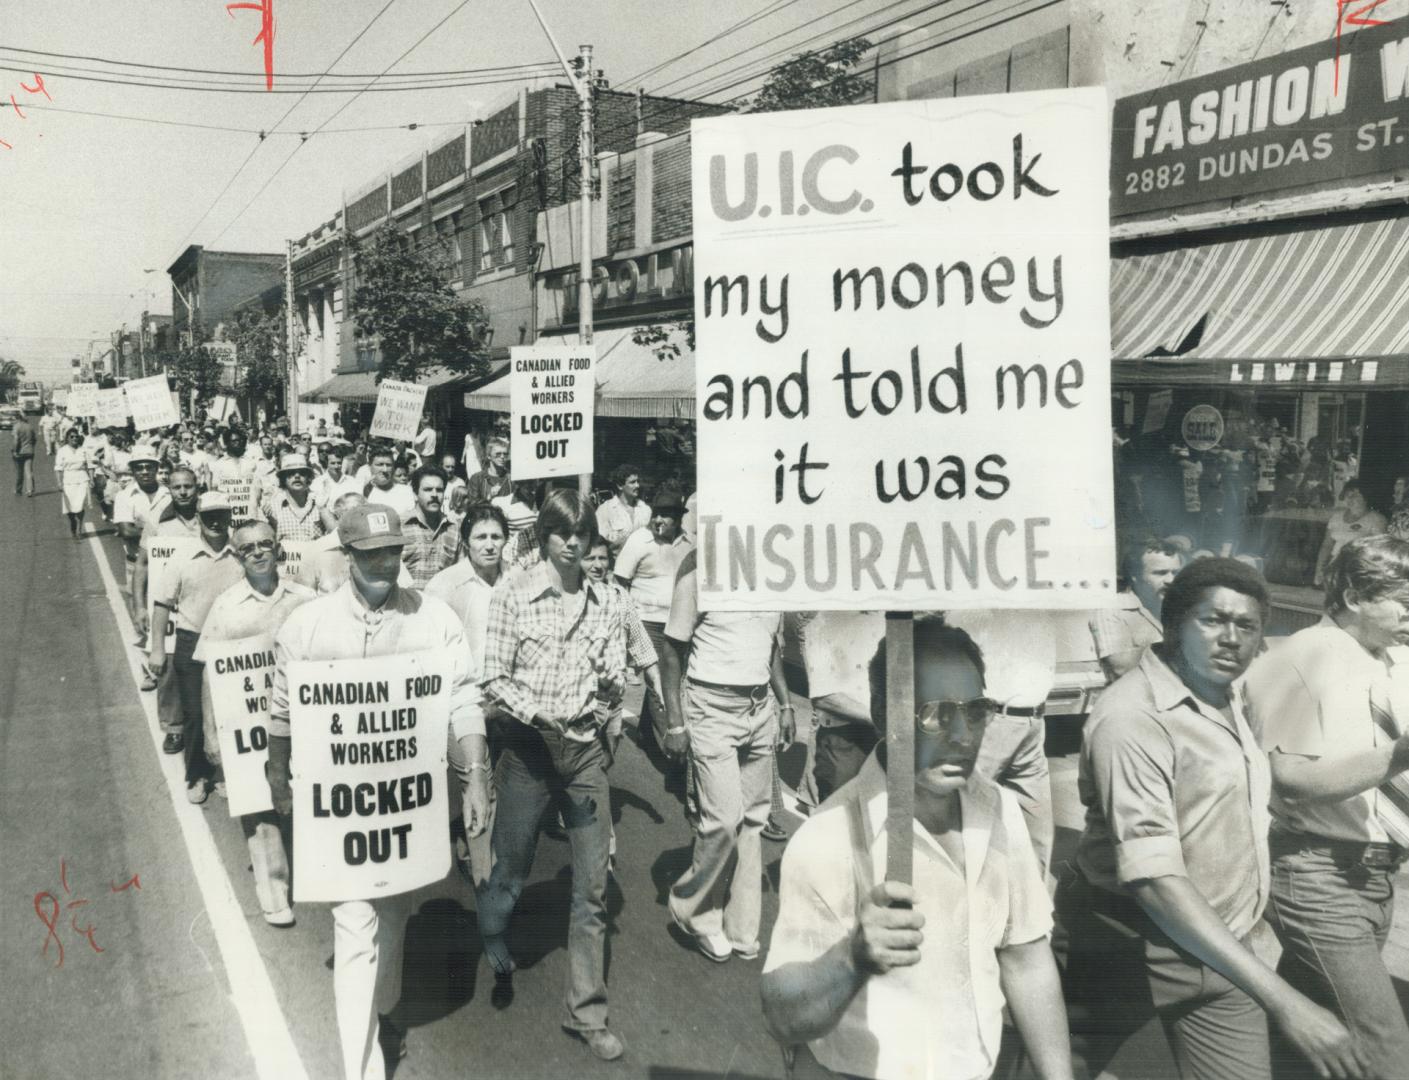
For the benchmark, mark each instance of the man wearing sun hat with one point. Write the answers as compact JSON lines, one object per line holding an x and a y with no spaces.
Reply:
{"x":370,"y":615}
{"x":291,"y":509}
{"x":190,"y":589}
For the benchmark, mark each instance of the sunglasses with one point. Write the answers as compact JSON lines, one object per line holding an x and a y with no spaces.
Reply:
{"x":256,"y":547}
{"x":933,"y":717}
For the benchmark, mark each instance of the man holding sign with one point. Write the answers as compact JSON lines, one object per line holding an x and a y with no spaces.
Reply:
{"x":881,"y":978}
{"x":237,"y":648}
{"x":409,"y":667}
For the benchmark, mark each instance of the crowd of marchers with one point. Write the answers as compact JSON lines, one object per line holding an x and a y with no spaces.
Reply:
{"x":1227,"y":780}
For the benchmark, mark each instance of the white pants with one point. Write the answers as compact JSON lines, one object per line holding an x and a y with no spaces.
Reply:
{"x":368,"y":937}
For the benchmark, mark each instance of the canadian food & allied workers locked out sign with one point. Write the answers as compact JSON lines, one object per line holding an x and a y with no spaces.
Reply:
{"x":903,"y":343}
{"x":368,"y":775}
{"x":551,"y":393}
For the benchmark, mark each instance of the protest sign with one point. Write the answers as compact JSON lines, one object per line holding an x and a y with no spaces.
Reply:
{"x":368,"y":774}
{"x":241,"y":674}
{"x":151,"y":403}
{"x":902,"y":355}
{"x":222,"y":408}
{"x":83,"y":399}
{"x":399,"y":407}
{"x":551,"y":390}
{"x":163,"y":554}
{"x":296,"y":561}
{"x":243,"y":495}
{"x":59,"y":399}
{"x":110,"y":410}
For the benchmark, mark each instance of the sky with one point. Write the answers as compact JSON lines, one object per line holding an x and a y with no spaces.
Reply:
{"x":89,"y":204}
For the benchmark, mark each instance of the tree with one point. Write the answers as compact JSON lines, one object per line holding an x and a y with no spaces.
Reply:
{"x":189,"y":368}
{"x":815,"y":80}
{"x":810,"y":80}
{"x":262,"y":356}
{"x":403,"y":298}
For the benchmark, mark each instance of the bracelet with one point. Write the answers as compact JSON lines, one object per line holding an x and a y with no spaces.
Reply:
{"x":788,"y":706}
{"x":477,"y":765}
{"x":674,"y":730}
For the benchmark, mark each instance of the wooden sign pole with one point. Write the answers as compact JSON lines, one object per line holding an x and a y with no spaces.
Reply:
{"x":900,"y":744}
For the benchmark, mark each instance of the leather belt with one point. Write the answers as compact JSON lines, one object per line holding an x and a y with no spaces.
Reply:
{"x":1028,"y":712}
{"x":755,"y":690}
{"x":1373,"y":855}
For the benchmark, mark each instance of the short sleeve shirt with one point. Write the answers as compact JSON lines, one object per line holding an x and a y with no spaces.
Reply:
{"x":1121,"y":629}
{"x":1310,"y":696}
{"x":650,"y":568}
{"x":731,"y":648}
{"x":1173,"y":788}
{"x":943,"y":1017}
{"x":194,"y":583}
{"x":242,"y":611}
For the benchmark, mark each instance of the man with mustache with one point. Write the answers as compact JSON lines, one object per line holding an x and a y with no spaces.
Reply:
{"x":1173,"y":863}
{"x":883,"y":979}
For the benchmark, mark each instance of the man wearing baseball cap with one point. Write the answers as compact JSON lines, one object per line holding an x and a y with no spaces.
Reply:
{"x":188,"y":593}
{"x":370,"y":615}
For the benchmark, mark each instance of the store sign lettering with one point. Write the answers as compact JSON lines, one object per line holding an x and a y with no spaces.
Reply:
{"x":626,"y":281}
{"x":1305,"y":371}
{"x":1333,"y":110}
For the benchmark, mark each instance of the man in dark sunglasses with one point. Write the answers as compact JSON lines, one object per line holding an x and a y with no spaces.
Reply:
{"x":868,"y":977}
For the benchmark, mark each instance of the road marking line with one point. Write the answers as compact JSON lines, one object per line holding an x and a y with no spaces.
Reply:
{"x":266,"y":1030}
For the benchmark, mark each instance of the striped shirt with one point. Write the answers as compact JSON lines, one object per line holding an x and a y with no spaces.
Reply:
{"x":428,"y":550}
{"x":290,"y":521}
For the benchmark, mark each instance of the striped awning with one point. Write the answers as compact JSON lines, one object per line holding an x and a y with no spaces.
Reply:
{"x":1310,"y":307}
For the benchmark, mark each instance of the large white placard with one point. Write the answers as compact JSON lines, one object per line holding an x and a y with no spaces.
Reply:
{"x":163,"y":553}
{"x":241,"y":674}
{"x":243,"y":496}
{"x":296,"y":560}
{"x":59,"y":398}
{"x":369,"y":775}
{"x":399,"y":408}
{"x":902,"y":355}
{"x":151,"y":403}
{"x":110,"y":410}
{"x":551,"y":390}
{"x":83,"y":399}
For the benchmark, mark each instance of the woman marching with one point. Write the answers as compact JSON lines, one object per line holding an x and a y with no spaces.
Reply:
{"x":71,"y":472}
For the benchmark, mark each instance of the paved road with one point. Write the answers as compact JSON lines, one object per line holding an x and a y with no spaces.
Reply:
{"x":191,"y":981}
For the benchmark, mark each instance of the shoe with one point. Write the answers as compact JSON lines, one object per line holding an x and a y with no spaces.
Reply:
{"x":496,"y":950}
{"x":173,"y":743}
{"x":282,"y":917}
{"x":605,"y":1045}
{"x":196,"y":792}
{"x":149,"y":683}
{"x":715,"y":946}
{"x":774,"y":831}
{"x":140,"y":642}
{"x":220,"y":789}
{"x":391,"y":1038}
{"x":745,"y":952}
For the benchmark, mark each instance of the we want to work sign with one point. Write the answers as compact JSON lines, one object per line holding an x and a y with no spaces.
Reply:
{"x":903,"y":355}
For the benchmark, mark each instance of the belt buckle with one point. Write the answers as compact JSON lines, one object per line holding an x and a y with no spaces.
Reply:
{"x":1379,"y":859}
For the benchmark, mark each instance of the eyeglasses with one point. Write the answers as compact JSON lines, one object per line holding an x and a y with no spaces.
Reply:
{"x":256,"y":547}
{"x":934,"y":717}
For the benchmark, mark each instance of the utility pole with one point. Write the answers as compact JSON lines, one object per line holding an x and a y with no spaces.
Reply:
{"x":290,"y":365}
{"x":582,"y":78}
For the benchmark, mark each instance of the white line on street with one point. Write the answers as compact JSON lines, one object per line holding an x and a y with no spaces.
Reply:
{"x":266,"y":1030}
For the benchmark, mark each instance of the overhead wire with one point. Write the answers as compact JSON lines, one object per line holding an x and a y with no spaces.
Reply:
{"x":733,"y":28}
{"x":340,"y":109}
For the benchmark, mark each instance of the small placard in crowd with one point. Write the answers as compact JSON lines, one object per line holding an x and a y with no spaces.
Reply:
{"x":399,"y":408}
{"x":83,"y":399}
{"x":110,"y":410}
{"x":151,"y":403}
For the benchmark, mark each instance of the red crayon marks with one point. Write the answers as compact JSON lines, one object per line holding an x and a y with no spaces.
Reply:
{"x":265,"y":35}
{"x":1360,"y":16}
{"x":50,"y":909}
{"x":37,"y":88}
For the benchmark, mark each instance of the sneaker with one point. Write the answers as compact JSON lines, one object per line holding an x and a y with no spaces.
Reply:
{"x":715,"y":946}
{"x":282,"y":917}
{"x":196,"y":792}
{"x":745,"y":952}
{"x":149,"y":683}
{"x":605,"y":1045}
{"x":774,"y":831}
{"x":496,"y":950}
{"x":173,"y":743}
{"x":140,"y":641}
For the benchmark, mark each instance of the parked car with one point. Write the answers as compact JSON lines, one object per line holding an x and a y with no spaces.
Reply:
{"x":8,"y":414}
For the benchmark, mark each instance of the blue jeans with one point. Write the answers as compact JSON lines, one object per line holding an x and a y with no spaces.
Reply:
{"x":534,"y":769}
{"x":1333,"y":916}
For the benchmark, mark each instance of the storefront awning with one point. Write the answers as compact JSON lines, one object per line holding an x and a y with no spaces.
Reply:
{"x":1325,"y":308}
{"x":361,"y":386}
{"x":631,"y":380}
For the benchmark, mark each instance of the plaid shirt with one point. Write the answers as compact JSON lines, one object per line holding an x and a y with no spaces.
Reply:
{"x":536,"y":662}
{"x":289,"y":521}
{"x":428,"y":551}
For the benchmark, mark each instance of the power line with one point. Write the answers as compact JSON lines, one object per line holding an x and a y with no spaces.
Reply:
{"x":777,"y":6}
{"x":202,"y":88}
{"x":277,"y":74}
{"x":255,"y":149}
{"x":414,"y":46}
